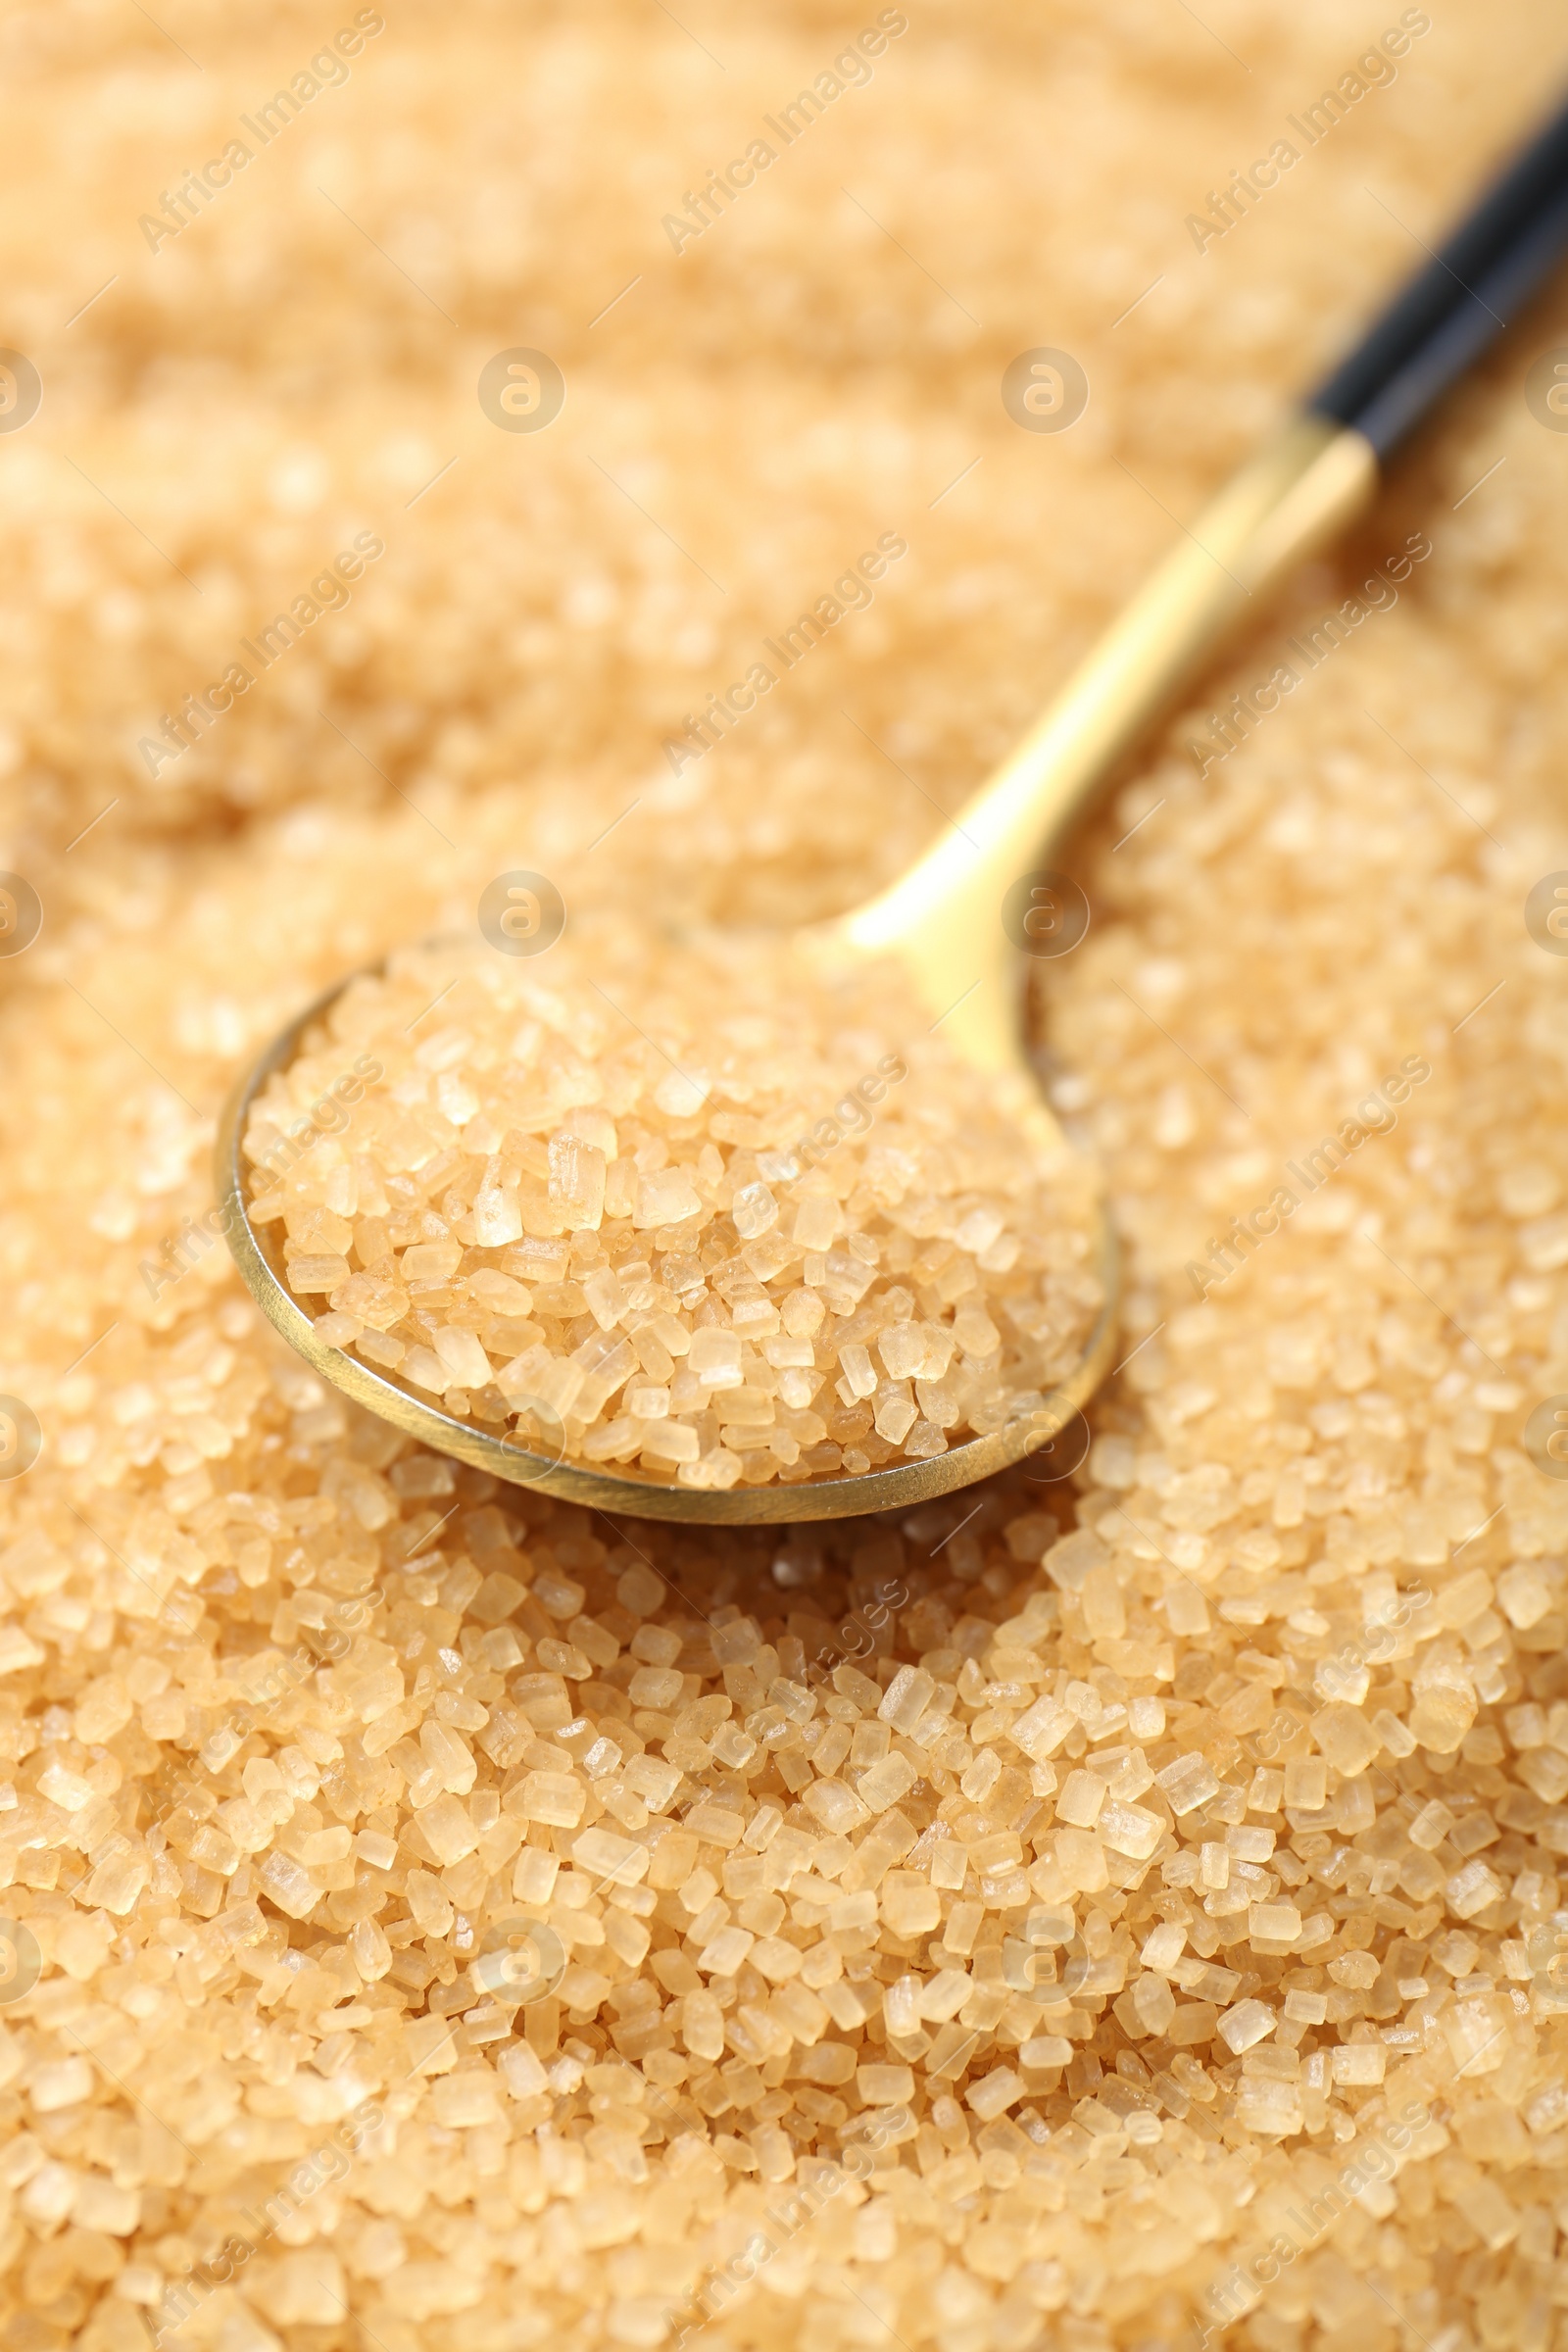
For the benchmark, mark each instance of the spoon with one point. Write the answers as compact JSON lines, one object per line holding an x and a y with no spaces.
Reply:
{"x":963,"y":918}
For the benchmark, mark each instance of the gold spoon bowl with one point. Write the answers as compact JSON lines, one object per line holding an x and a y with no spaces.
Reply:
{"x":950,"y":922}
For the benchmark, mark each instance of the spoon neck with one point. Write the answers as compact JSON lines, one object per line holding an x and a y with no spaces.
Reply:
{"x":949,"y":915}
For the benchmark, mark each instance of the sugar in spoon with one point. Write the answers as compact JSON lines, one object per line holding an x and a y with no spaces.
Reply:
{"x":952,"y":923}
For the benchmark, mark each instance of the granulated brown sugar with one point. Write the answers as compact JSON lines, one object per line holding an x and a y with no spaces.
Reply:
{"x":764,"y":1227}
{"x":301,"y":1722}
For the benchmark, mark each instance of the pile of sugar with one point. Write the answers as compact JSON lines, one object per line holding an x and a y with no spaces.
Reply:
{"x":238,"y":404}
{"x":1111,"y":1910}
{"x":756,"y":1227}
{"x":211,"y":2099}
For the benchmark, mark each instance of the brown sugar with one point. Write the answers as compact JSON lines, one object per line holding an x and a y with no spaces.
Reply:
{"x":1116,"y":1911}
{"x":759,"y":1229}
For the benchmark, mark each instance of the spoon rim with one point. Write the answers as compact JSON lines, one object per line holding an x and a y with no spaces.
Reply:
{"x":632,"y":1495}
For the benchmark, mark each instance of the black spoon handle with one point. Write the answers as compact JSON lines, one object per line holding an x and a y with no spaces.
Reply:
{"x":1471,"y":289}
